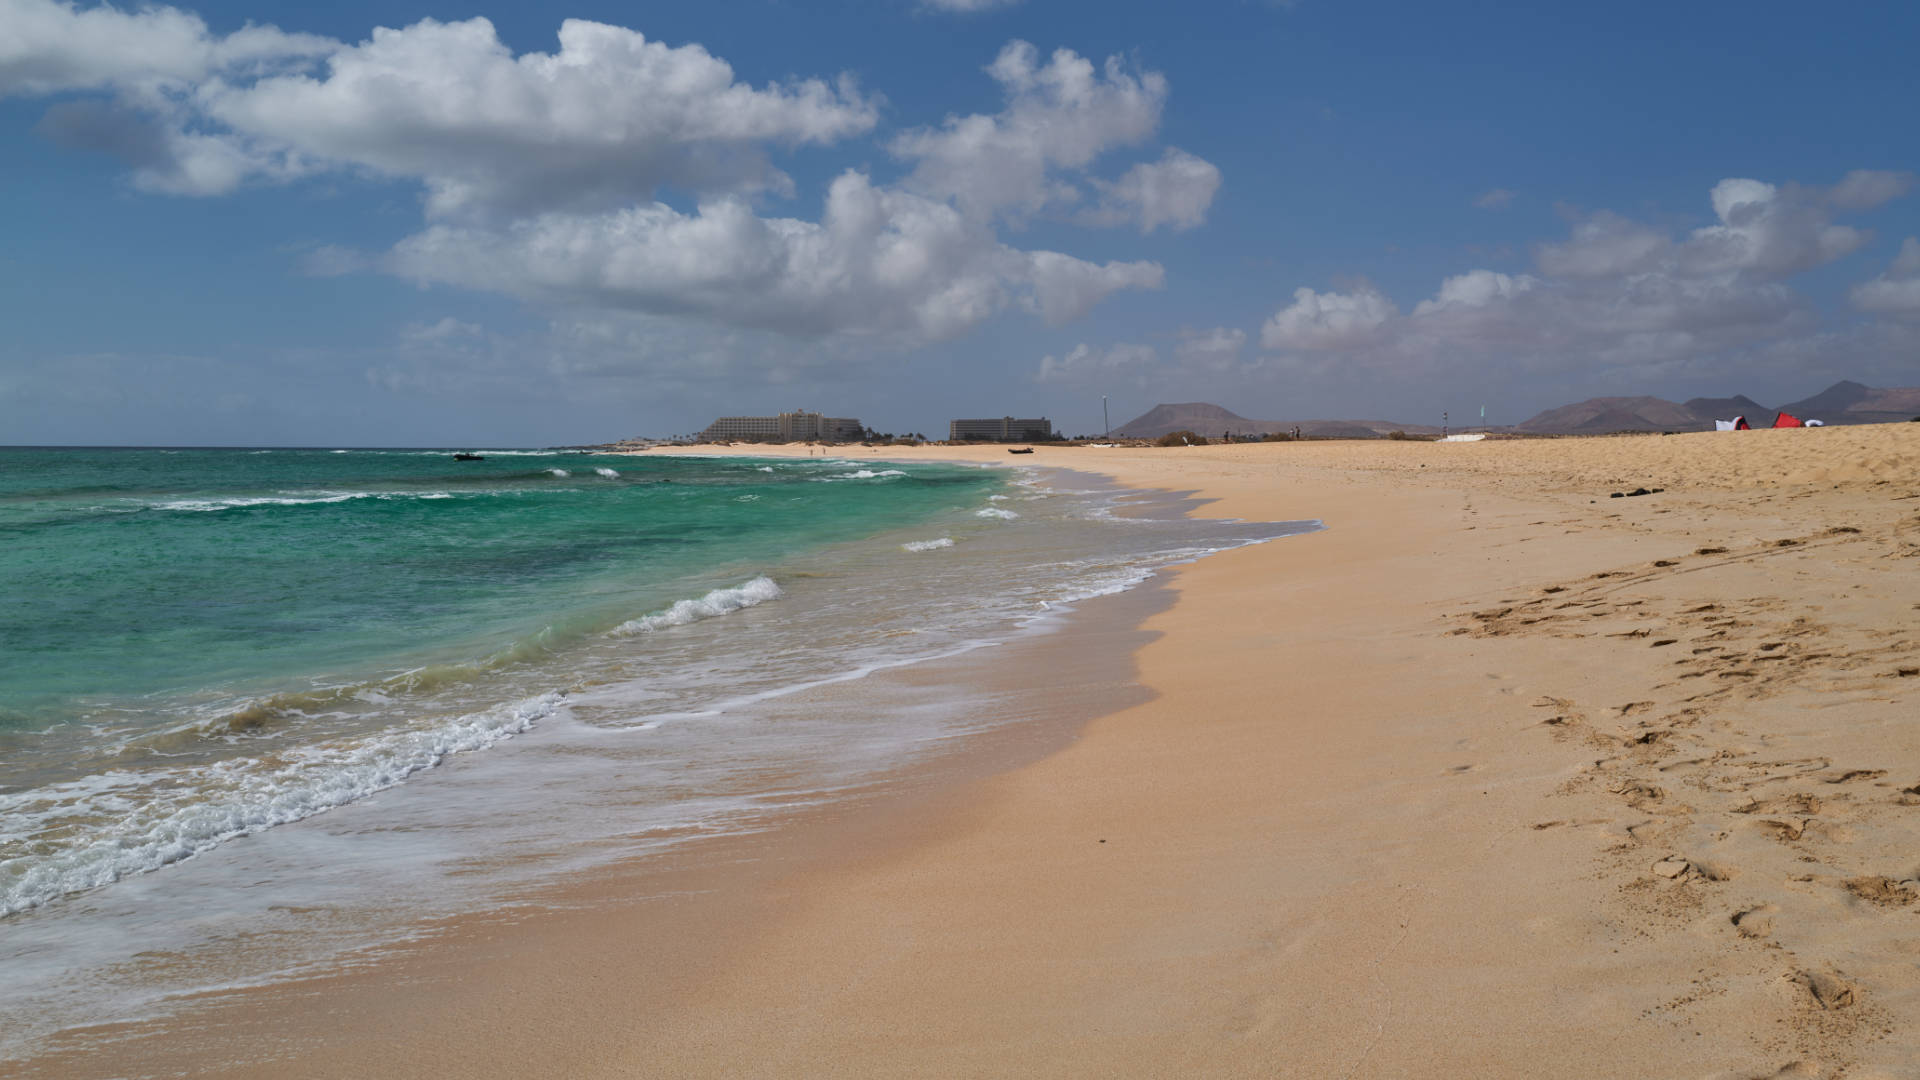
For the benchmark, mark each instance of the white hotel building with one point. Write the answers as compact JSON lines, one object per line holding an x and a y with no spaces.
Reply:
{"x":797,"y":426}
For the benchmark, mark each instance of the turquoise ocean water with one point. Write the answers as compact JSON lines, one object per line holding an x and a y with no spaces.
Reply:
{"x":141,"y":582}
{"x":262,"y":708}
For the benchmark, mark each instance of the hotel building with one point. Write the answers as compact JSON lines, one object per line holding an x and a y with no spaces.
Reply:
{"x":1005,"y":429}
{"x":797,"y":426}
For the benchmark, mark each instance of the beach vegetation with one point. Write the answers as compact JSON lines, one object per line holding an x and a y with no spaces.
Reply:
{"x":1181,"y":438}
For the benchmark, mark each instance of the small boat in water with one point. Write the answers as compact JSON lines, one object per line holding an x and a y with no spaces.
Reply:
{"x":468,"y":457}
{"x":1022,"y":450}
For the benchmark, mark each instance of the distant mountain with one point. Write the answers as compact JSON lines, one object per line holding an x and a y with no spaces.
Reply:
{"x":1604,"y":415}
{"x":1842,"y":403}
{"x":1726,"y":408}
{"x":1214,"y":421}
{"x":1198,"y":417}
{"x":1847,"y":402}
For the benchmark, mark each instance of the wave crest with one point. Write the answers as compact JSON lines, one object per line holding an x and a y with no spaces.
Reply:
{"x":861,"y":474}
{"x":718,"y":602}
{"x":229,"y":799}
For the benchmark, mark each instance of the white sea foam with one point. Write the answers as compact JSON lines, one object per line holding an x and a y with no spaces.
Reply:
{"x":608,"y":473}
{"x":862,"y":474}
{"x":183,"y":813}
{"x":766,"y":468}
{"x":996,"y":512}
{"x":558,"y":472}
{"x":718,"y":602}
{"x":241,"y":502}
{"x":928,"y":545}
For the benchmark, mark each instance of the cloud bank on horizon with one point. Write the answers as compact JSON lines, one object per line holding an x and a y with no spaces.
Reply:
{"x":649,"y":213}
{"x":1616,"y":294}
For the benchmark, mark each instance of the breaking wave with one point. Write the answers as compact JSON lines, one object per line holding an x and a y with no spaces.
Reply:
{"x":146,"y":821}
{"x":718,"y":602}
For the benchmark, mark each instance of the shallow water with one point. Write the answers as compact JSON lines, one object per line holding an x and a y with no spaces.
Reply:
{"x":465,"y":683}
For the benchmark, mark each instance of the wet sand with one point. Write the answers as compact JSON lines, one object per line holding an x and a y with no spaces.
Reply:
{"x":1497,"y":776}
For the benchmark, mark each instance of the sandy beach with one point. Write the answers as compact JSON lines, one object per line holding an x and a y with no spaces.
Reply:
{"x":1497,"y":776}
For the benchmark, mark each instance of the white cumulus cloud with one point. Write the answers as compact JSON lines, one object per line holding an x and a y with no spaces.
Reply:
{"x":1101,"y":366}
{"x":1616,"y":295}
{"x":608,"y":118}
{"x":1604,"y":245}
{"x":1214,"y":350}
{"x":1174,"y":191}
{"x":1476,"y":289}
{"x":1768,"y":230}
{"x":1324,"y":321}
{"x":605,"y":120}
{"x":1060,"y":114}
{"x":1864,"y":189}
{"x":47,"y":46}
{"x":1066,"y":288}
{"x":547,"y":175}
{"x":1897,"y":290}
{"x":880,"y":261}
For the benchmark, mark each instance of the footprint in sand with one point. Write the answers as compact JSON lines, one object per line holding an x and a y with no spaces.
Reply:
{"x":1755,"y":922}
{"x":1882,"y":891}
{"x":1784,"y":831}
{"x":1795,"y":1070}
{"x":1642,"y":796}
{"x":1851,"y":775}
{"x":1797,"y":803}
{"x":1827,"y":989}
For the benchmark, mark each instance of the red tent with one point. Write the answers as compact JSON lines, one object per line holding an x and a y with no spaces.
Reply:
{"x":1787,"y":420}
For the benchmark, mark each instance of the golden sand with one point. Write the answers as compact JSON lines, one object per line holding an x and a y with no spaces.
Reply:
{"x":1498,"y":776}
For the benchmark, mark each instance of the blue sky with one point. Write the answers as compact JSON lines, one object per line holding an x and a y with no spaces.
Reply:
{"x":276,"y":224}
